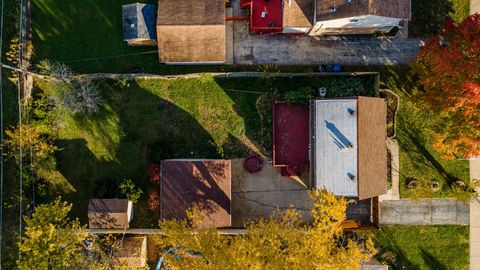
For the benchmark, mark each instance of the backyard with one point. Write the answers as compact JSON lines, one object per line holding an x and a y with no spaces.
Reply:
{"x":89,"y":39}
{"x":438,"y":247}
{"x":144,"y":121}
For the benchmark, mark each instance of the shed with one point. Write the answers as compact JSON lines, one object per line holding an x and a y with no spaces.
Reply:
{"x":203,"y":184}
{"x":132,"y":253}
{"x":109,"y":213}
{"x":139,"y":24}
{"x":348,"y":146}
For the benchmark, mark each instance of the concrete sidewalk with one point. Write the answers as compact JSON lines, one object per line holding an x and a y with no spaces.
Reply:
{"x":424,"y":212}
{"x":475,"y":220}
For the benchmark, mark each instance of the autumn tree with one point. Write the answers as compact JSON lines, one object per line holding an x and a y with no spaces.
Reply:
{"x":278,"y":242}
{"x":53,"y":241}
{"x":448,"y":67}
{"x":27,"y":136}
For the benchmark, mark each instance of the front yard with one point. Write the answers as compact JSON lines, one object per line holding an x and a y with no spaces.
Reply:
{"x":144,"y":121}
{"x":423,"y":247}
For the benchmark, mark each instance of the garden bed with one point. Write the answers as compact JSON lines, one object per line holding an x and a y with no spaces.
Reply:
{"x":392,"y":107}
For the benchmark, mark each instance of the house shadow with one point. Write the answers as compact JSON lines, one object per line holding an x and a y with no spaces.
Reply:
{"x":151,"y":129}
{"x":391,"y":252}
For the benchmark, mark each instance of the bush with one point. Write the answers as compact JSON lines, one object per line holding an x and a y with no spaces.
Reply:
{"x":128,"y":189}
{"x":300,"y":96}
{"x":82,"y":97}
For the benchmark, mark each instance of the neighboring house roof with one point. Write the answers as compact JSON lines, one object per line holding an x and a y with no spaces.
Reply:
{"x":205,"y":184}
{"x":132,"y":252}
{"x":191,"y":31}
{"x":109,"y":213}
{"x":139,"y":21}
{"x":298,"y":13}
{"x":345,"y":9}
{"x":349,"y":152}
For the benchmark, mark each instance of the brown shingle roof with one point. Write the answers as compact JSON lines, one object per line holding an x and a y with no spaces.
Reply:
{"x":372,"y":147}
{"x":202,"y":184}
{"x":191,"y":12}
{"x":298,"y":13}
{"x":108,"y":213}
{"x":387,"y":8}
{"x":191,"y":31}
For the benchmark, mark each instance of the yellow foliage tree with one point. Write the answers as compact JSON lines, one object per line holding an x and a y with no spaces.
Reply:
{"x":281,"y":241}
{"x":25,"y":136}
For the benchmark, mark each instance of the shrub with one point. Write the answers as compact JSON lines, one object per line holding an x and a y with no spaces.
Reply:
{"x":300,"y":96}
{"x":153,"y":200}
{"x":82,"y":97}
{"x":128,"y":189}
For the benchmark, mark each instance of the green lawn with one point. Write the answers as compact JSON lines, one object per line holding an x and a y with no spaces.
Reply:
{"x":149,"y":120}
{"x":428,"y":16}
{"x":423,"y":247}
{"x":418,"y":159}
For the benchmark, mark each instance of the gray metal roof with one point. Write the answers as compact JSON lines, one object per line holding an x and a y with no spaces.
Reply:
{"x":335,"y":145}
{"x":139,"y":21}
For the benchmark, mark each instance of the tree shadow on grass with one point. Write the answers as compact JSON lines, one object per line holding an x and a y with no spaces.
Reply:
{"x":431,"y":261}
{"x":420,"y":154}
{"x":152,"y":129}
{"x":387,"y":243}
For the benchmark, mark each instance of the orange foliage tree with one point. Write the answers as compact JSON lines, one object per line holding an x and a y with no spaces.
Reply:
{"x":448,"y":67}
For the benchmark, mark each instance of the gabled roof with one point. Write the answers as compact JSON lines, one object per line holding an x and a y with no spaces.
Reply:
{"x":109,"y":213}
{"x":191,"y":31}
{"x":345,"y":9}
{"x":204,"y":184}
{"x":139,"y":21}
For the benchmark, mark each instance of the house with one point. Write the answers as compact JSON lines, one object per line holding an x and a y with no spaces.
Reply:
{"x":334,"y":17}
{"x":131,"y":253}
{"x":109,"y":213}
{"x":191,"y":31}
{"x":139,"y":24}
{"x":348,"y":146}
{"x":341,"y":143}
{"x":201,"y":184}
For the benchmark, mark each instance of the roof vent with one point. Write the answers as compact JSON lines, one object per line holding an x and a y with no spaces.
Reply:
{"x":351,"y":176}
{"x":348,"y":1}
{"x":132,"y":25}
{"x":351,"y":111}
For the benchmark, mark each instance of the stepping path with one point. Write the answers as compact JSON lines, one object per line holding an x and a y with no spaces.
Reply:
{"x":475,"y":220}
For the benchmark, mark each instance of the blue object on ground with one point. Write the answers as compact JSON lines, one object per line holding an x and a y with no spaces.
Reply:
{"x":337,"y":68}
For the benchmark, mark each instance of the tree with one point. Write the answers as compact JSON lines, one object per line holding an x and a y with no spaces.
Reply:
{"x":448,"y":67}
{"x":53,"y":241}
{"x":278,"y":242}
{"x":80,"y":96}
{"x":128,"y":189}
{"x":34,"y":136}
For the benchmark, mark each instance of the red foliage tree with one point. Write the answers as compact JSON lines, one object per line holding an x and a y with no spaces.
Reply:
{"x":449,"y":71}
{"x":153,"y":200}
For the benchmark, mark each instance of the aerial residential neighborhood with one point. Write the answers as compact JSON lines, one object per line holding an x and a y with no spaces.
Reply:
{"x":240,"y":134}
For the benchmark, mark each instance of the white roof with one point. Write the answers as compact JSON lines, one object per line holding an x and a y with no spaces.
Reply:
{"x":335,"y":146}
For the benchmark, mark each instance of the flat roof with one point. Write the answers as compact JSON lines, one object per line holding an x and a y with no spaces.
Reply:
{"x":335,"y":146}
{"x":204,"y":184}
{"x":298,"y":13}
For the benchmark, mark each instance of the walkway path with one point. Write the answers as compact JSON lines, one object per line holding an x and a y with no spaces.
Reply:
{"x":424,"y":212}
{"x":475,"y":220}
{"x":475,"y":204}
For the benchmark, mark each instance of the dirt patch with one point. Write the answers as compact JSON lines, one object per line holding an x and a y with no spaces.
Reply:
{"x":392,"y":108}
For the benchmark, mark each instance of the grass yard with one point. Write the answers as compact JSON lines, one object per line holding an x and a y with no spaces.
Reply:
{"x":418,"y":159}
{"x":423,"y":247}
{"x":145,"y":121}
{"x":428,"y":16}
{"x":87,"y":36}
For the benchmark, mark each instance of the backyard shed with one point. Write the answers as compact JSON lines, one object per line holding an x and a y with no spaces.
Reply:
{"x":139,"y":24}
{"x":203,"y":184}
{"x":131,"y":253}
{"x":109,"y":213}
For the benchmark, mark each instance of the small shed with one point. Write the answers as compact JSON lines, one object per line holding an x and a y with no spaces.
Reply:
{"x":139,"y":24}
{"x":109,"y":213}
